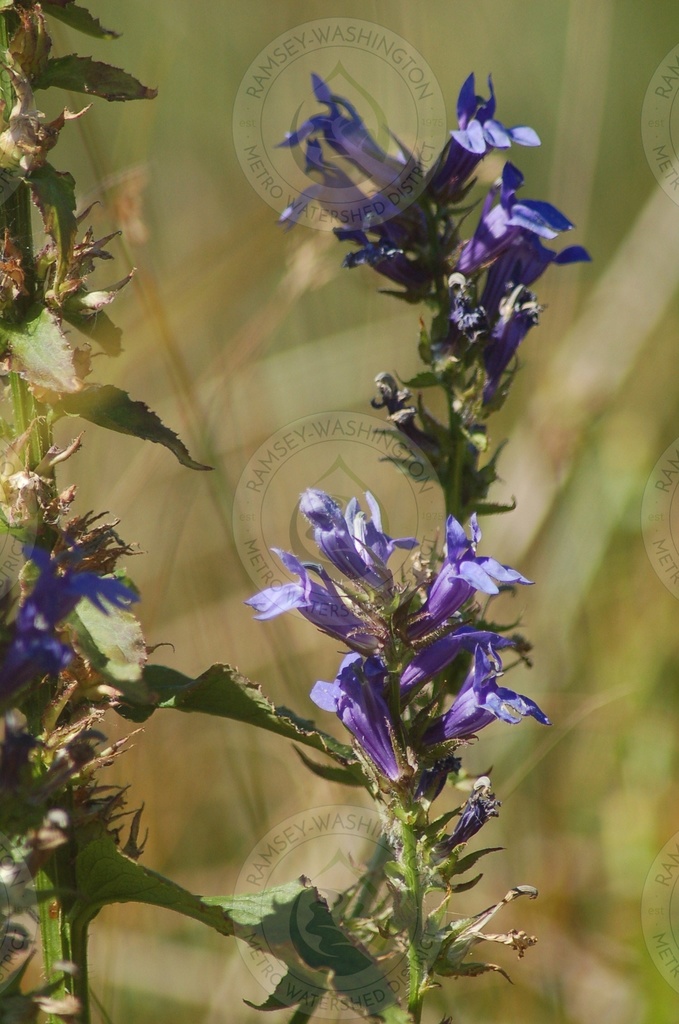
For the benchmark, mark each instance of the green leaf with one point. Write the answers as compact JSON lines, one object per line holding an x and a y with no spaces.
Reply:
{"x":321,"y":958}
{"x":5,"y":4}
{"x":223,"y":692}
{"x":40,"y":352}
{"x":82,"y":74}
{"x":53,"y":193}
{"x":104,"y":875}
{"x":465,"y":863}
{"x":489,"y":508}
{"x":426,"y":379}
{"x":343,"y":776}
{"x":80,"y":19}
{"x":464,"y":886}
{"x":113,"y":643}
{"x":109,"y":407}
{"x":97,"y":326}
{"x":290,"y":922}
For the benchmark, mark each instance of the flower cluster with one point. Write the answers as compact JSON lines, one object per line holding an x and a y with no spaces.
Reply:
{"x":401,"y":636}
{"x":35,"y":648}
{"x":483,"y":281}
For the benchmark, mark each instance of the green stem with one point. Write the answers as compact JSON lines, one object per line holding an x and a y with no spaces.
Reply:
{"x":416,"y":964}
{"x":54,"y":882}
{"x":453,"y":484}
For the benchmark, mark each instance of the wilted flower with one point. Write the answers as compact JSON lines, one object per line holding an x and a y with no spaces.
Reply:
{"x":480,"y":806}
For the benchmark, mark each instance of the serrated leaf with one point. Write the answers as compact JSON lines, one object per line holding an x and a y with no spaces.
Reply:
{"x":53,"y":193}
{"x":322,"y":959}
{"x":82,"y":74}
{"x":80,"y":19}
{"x":291,"y":922}
{"x":97,"y":326}
{"x":222,"y":691}
{"x":113,"y":643}
{"x":426,"y":379}
{"x":41,"y":353}
{"x":343,"y":776}
{"x":109,"y":407}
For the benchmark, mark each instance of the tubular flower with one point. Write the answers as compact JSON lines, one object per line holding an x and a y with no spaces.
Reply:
{"x":462,"y":573}
{"x":320,"y":603}
{"x":355,"y":545}
{"x":357,"y":697}
{"x":479,"y":132}
{"x":481,"y":701}
{"x":342,"y":130}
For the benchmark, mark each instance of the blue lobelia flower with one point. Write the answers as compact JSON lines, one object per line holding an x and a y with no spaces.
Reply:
{"x":355,"y":545}
{"x":509,"y":221}
{"x":479,"y":132}
{"x":481,"y":701}
{"x":35,"y":649}
{"x":320,"y":603}
{"x":342,"y":130}
{"x":357,"y":697}
{"x":439,"y":654}
{"x":463,"y":572}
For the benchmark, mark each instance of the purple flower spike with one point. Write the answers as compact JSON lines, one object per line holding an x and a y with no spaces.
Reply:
{"x":357,"y":697}
{"x":480,"y":702}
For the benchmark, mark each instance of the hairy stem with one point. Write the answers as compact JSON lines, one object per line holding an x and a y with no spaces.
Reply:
{"x":416,"y":962}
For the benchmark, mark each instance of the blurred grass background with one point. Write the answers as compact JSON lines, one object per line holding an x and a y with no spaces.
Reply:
{"x":233,"y":328}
